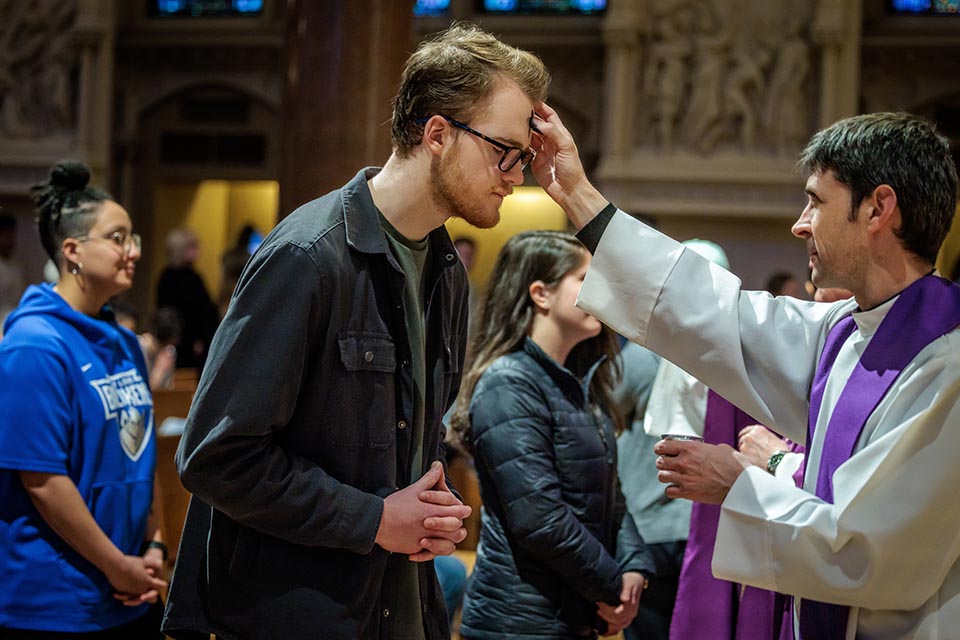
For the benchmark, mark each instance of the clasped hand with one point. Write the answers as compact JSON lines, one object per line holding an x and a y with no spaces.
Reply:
{"x":136,"y":578}
{"x":423,"y":520}
{"x":620,"y":616}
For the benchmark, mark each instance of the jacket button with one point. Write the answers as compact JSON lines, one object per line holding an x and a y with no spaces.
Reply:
{"x":386,"y":613}
{"x":450,"y":257}
{"x":402,"y":424}
{"x":368,"y":356}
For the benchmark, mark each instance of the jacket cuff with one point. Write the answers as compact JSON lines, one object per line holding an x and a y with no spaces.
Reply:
{"x":360,"y":520}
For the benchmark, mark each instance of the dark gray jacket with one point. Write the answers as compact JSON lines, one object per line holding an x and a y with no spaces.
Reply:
{"x":555,"y":538}
{"x":299,"y":429}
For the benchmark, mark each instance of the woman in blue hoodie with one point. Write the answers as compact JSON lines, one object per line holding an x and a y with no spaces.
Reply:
{"x":80,"y":555}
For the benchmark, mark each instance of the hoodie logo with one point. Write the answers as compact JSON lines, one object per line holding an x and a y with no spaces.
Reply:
{"x":127,"y":400}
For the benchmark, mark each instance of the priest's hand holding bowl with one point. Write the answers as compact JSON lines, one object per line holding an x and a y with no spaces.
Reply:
{"x":698,"y":471}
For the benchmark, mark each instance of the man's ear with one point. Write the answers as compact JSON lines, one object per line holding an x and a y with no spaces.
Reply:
{"x":436,"y":133}
{"x":885,"y":211}
{"x":539,"y":295}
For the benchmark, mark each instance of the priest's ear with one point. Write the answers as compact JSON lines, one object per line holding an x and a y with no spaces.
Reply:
{"x":884,"y":209}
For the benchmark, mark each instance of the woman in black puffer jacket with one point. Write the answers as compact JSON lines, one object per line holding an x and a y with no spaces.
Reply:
{"x":558,"y":556}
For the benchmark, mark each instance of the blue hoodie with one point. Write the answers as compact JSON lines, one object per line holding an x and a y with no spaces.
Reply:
{"x":74,"y":400}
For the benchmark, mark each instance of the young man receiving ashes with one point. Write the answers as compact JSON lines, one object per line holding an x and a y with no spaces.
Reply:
{"x":315,"y":436}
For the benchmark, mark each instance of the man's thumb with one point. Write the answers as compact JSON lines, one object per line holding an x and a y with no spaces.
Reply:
{"x":432,"y":476}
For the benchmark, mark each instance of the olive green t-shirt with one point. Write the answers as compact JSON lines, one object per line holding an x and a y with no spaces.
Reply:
{"x":412,"y":258}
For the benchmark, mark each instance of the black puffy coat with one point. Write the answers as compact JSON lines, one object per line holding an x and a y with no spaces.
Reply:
{"x":555,"y":538}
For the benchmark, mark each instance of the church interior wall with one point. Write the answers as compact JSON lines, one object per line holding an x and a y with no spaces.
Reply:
{"x":691,"y":113}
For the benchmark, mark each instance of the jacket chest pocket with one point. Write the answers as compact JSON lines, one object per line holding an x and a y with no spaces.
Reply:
{"x":367,"y":351}
{"x":366,"y":389}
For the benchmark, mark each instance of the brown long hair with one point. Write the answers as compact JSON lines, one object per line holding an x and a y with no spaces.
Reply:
{"x":506,"y":318}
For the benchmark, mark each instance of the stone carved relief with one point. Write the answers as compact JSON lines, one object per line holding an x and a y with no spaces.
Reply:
{"x":37,"y":67}
{"x":575,"y":83}
{"x":725,"y":74}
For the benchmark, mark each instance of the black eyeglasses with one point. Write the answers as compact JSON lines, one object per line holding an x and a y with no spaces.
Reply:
{"x":510,"y":156}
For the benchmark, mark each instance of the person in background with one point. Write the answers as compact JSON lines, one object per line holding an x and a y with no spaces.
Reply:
{"x":451,"y":571}
{"x":452,"y":574}
{"x":159,"y":343}
{"x":126,"y":315}
{"x":232,"y":263}
{"x":11,"y":274}
{"x":467,"y":250}
{"x":662,"y":521}
{"x":182,"y":288}
{"x":160,"y":347}
{"x":323,"y":399}
{"x":80,"y":550}
{"x":559,"y":555}
{"x":783,"y":283}
{"x":674,"y":402}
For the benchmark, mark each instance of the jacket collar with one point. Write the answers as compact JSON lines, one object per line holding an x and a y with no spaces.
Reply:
{"x":360,"y":214}
{"x":362,"y":223}
{"x":563,"y":376}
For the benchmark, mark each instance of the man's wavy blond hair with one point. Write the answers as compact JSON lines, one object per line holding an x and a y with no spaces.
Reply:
{"x":452,"y":74}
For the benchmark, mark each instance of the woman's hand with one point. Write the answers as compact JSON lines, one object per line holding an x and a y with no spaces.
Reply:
{"x":619,"y":618}
{"x":135,"y":578}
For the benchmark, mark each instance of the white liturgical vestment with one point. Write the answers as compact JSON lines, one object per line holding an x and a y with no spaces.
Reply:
{"x":889,"y":545}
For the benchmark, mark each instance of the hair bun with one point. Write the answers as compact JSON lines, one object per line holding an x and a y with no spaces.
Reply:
{"x":70,"y":175}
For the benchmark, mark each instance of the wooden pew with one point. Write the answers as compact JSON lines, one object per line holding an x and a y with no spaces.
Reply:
{"x":464,"y":478}
{"x":174,"y":498}
{"x":185,"y":378}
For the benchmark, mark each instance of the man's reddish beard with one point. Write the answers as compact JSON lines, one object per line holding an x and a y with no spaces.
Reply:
{"x":449,"y":189}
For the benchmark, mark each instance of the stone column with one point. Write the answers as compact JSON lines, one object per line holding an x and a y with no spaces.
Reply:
{"x":94,"y":35}
{"x":344,"y":59}
{"x":836,"y":29}
{"x":622,"y":27}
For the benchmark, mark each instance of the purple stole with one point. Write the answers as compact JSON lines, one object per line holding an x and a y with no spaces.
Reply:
{"x":717,"y":609}
{"x":926,"y":310}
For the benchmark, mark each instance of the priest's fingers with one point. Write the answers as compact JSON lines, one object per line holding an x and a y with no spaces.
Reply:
{"x":673,"y":447}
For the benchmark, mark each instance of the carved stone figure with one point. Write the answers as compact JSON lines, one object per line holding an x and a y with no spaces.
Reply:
{"x":36,"y":64}
{"x":786,"y":113}
{"x":704,"y":117}
{"x":722,"y":73}
{"x":665,"y":79}
{"x":745,"y":84}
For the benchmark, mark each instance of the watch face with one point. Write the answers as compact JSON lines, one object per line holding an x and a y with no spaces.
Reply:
{"x":775,"y":460}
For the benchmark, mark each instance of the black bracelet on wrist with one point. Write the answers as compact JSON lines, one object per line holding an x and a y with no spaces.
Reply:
{"x":155,"y":544}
